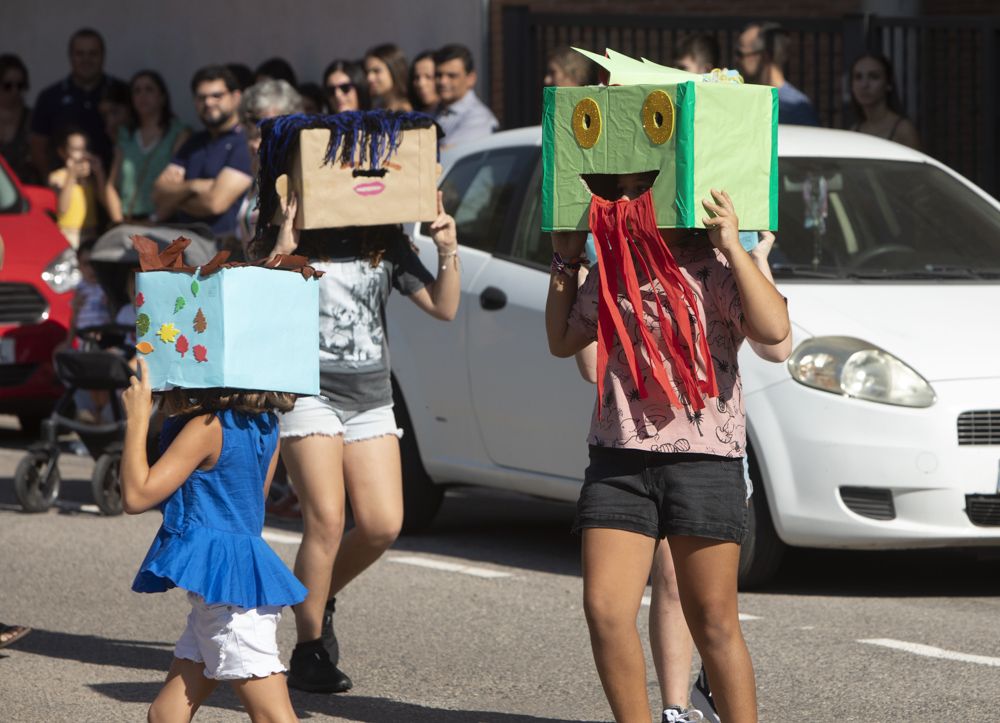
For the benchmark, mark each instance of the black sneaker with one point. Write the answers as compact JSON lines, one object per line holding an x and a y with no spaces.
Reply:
{"x":330,"y":637}
{"x":701,"y":697}
{"x":310,"y":670}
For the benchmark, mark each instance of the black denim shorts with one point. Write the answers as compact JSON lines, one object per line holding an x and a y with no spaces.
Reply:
{"x":658,"y":494}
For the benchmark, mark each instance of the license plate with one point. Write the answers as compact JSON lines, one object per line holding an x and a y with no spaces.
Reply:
{"x":7,"y":355}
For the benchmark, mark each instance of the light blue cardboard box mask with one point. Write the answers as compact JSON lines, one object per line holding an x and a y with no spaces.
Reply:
{"x":243,"y":327}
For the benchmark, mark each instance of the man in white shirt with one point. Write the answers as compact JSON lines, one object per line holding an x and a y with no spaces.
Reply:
{"x":461,"y":115}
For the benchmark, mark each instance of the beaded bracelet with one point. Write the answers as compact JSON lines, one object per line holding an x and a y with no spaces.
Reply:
{"x":444,"y":256}
{"x":566,"y":267}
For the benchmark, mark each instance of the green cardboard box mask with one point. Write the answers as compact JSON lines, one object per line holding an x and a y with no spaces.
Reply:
{"x":695,"y":133}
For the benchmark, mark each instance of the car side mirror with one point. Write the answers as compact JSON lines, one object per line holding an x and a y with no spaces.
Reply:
{"x":42,"y":198}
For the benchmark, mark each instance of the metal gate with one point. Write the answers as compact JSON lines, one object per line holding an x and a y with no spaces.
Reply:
{"x":948,"y":68}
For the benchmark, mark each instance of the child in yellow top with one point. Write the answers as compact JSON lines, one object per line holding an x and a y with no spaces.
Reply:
{"x":77,"y":184}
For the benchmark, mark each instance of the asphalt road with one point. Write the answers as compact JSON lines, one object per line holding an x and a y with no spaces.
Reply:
{"x":480,"y":620}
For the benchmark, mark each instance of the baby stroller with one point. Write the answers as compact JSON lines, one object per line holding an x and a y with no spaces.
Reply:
{"x":93,"y":368}
{"x":99,"y":365}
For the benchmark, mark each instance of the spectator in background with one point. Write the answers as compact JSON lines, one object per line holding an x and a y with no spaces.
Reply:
{"x":346,"y":86}
{"x":244,"y":76}
{"x":387,"y":73}
{"x":15,"y":119}
{"x":423,"y":89}
{"x":761,"y":54}
{"x":564,"y":67}
{"x":143,"y":150}
{"x":207,"y":178}
{"x":263,"y":100}
{"x":77,"y":185}
{"x":876,"y":103}
{"x":461,"y":115}
{"x":74,"y":101}
{"x":115,"y":108}
{"x":698,"y":53}
{"x":275,"y":69}
{"x":313,"y":99}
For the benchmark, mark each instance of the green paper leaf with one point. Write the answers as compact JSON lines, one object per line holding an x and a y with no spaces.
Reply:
{"x":194,"y":287}
{"x":179,"y":304}
{"x":142,"y":324}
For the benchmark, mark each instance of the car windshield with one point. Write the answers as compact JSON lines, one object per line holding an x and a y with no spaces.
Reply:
{"x":10,"y":200}
{"x":860,"y":218}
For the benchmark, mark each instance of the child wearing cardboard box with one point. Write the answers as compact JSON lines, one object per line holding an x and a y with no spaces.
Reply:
{"x":339,"y":186}
{"x":673,"y":298}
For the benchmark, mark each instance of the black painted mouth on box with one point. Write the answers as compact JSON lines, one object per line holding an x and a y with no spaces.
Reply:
{"x":606,"y":186}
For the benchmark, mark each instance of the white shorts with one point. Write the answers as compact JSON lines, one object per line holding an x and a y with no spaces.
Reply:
{"x":234,"y":643}
{"x":318,"y":415}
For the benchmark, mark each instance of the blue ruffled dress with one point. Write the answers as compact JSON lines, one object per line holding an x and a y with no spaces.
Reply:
{"x":210,"y":541}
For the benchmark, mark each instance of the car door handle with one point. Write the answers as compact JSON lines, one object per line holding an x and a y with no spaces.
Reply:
{"x":492,"y":298}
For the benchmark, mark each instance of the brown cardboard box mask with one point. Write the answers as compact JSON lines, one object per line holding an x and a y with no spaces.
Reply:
{"x":400,"y":187}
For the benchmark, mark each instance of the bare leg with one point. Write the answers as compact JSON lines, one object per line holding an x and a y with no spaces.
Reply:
{"x":669,"y":636}
{"x":706,"y":576}
{"x":266,"y":699}
{"x":374,"y":480}
{"x":185,"y":690}
{"x":315,"y":464}
{"x":615,"y":568}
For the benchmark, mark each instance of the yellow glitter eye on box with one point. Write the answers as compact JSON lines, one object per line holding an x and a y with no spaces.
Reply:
{"x":658,"y":117}
{"x":587,"y":122}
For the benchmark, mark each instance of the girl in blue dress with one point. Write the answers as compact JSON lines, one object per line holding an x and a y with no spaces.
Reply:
{"x":219,"y":449}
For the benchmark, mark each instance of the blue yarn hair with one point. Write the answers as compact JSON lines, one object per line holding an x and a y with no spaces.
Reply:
{"x":356,"y":138}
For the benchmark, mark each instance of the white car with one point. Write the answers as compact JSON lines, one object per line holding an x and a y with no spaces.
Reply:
{"x":883,"y":429}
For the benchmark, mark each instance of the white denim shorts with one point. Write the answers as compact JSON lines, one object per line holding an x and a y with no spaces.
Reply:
{"x":318,"y":415}
{"x":234,"y":643}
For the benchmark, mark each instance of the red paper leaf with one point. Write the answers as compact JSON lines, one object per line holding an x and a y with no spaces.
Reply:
{"x":200,"y":353}
{"x":182,"y":345}
{"x":139,"y":300}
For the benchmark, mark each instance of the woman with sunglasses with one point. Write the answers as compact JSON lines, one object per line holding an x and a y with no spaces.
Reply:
{"x":15,"y":118}
{"x":346,"y":86}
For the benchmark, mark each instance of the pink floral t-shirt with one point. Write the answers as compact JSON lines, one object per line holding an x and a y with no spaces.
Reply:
{"x":652,"y":424}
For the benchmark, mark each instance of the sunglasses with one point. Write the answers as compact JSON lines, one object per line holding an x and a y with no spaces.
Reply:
{"x":750,"y":53}
{"x":20,"y":85}
{"x":342,"y":87}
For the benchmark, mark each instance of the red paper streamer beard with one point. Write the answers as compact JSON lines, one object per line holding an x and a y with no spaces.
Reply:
{"x":625,"y":233}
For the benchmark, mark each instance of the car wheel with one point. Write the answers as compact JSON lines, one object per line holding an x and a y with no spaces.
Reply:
{"x":105,"y":484}
{"x":421,"y":497}
{"x":36,"y":482}
{"x":762,"y":550}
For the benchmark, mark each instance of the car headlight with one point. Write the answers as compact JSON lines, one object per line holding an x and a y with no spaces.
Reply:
{"x":854,"y":368}
{"x":63,"y":273}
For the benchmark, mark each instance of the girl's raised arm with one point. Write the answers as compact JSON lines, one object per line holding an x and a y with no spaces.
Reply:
{"x":198,"y":444}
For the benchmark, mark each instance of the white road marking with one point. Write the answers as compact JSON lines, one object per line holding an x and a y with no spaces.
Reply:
{"x":282,"y":538}
{"x":77,"y":507}
{"x":448,"y":566}
{"x":930,"y":651}
{"x":647,"y":600}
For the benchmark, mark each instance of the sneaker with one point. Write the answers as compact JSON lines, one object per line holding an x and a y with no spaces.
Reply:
{"x":676,"y":714}
{"x":329,"y":637}
{"x":310,"y":670}
{"x":701,"y":697}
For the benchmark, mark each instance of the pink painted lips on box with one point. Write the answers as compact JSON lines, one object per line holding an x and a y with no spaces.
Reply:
{"x":371,"y":188}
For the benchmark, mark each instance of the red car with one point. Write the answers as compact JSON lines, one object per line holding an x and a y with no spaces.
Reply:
{"x":37,"y":279}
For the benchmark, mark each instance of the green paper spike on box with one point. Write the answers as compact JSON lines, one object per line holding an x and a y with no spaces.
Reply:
{"x":698,"y":132}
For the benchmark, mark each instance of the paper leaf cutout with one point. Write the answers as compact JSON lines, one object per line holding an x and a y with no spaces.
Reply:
{"x":139,"y":300}
{"x":182,"y":345}
{"x":179,"y":304}
{"x":194,"y":287}
{"x":167,"y":333}
{"x":200,"y":353}
{"x":141,"y":324}
{"x":199,"y":322}
{"x":145,"y":347}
